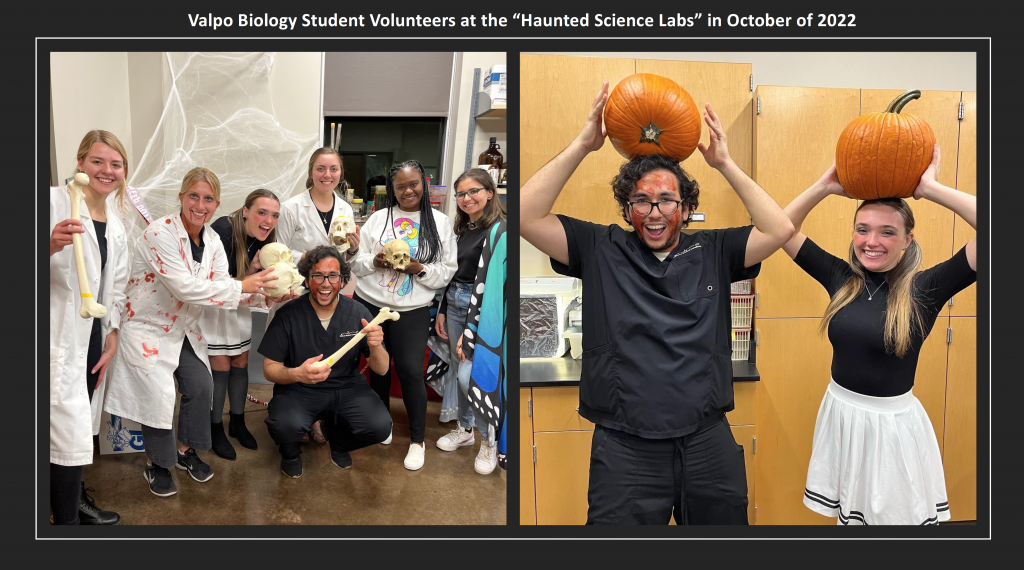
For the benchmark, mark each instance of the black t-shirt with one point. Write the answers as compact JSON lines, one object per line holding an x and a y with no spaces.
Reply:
{"x":657,"y":348}
{"x":860,"y":362}
{"x":224,"y":229}
{"x":470,"y":244}
{"x":197,"y":250}
{"x":101,"y":240}
{"x":296,"y":335}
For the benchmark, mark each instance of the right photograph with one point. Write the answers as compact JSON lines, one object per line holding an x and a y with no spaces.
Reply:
{"x":748,"y":288}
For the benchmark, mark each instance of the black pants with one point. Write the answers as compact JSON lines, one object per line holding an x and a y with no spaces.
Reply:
{"x":352,"y":416}
{"x":406,"y":343}
{"x":699,"y":478}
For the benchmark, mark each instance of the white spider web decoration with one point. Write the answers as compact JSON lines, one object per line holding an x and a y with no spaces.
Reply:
{"x":219,"y":114}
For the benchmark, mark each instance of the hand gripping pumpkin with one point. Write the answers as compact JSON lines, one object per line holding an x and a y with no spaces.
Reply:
{"x":651,"y":114}
{"x":882,"y":155}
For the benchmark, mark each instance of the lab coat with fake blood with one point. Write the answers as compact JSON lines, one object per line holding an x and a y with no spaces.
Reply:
{"x":166,"y":295}
{"x":72,"y":423}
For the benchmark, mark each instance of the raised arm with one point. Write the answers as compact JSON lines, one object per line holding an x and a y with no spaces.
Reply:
{"x":802,"y":205}
{"x":772,"y":229}
{"x":962,"y":203}
{"x":537,"y":224}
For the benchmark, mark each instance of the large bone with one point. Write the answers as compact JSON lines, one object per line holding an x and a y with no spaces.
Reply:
{"x":89,"y":308}
{"x":385,"y":314}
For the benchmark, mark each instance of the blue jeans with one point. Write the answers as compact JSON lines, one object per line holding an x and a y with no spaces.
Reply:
{"x":455,"y":323}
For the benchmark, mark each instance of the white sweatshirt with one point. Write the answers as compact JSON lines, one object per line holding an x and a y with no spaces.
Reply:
{"x":391,"y":288}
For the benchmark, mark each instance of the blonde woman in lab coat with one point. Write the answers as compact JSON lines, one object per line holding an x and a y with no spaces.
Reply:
{"x":306,"y":220}
{"x":178,"y":268}
{"x":81,"y":349}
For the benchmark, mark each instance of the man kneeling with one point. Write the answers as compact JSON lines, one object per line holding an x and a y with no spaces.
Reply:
{"x":305,"y":331}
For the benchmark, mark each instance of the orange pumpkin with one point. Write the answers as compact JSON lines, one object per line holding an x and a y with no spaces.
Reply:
{"x":882,"y":155}
{"x":651,"y":114}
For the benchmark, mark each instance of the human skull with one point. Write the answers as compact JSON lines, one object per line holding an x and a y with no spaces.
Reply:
{"x":278,"y":257}
{"x":396,"y":252}
{"x":288,"y":279}
{"x":275,"y":253}
{"x":341,"y":227}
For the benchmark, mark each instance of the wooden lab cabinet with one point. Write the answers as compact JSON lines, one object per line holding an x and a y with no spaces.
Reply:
{"x":553,"y":488}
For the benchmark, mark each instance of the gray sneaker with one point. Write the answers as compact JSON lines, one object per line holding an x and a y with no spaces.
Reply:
{"x":160,"y":482}
{"x":190,"y":462}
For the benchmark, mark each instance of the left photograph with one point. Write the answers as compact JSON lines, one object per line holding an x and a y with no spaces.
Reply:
{"x":277,"y":289}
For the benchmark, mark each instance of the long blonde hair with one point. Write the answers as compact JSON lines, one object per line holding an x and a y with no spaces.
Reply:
{"x":200,"y":174}
{"x":238,"y":231}
{"x":903,"y":312}
{"x":107,"y":138}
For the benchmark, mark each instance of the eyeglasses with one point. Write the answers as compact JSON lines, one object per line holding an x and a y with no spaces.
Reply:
{"x":332,"y":278}
{"x":644,"y":208}
{"x":471,"y":192}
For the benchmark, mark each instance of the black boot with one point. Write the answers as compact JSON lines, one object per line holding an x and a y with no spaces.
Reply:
{"x":89,"y":513}
{"x":221,"y":446}
{"x":237,"y":430}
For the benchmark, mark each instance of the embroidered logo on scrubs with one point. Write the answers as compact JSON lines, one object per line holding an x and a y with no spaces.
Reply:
{"x":689,"y":249}
{"x":348,"y":334}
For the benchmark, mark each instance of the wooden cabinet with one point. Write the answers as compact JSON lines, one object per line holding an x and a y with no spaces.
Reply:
{"x":965,"y":302}
{"x":795,"y":135}
{"x":527,"y":505}
{"x":562,"y":441}
{"x":960,"y":452}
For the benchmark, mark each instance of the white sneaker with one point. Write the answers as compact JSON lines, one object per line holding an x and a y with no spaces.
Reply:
{"x":456,"y":438}
{"x":487,"y":459}
{"x":388,"y":440}
{"x":414,"y":459}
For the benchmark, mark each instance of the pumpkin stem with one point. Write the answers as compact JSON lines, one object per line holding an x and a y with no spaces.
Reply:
{"x":901,"y":101}
{"x":651,"y":133}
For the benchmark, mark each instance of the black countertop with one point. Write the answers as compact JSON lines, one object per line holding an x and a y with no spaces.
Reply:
{"x":564,"y":371}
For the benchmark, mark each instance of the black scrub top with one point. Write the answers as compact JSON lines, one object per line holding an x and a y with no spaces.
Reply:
{"x":296,"y":335}
{"x":657,"y":347}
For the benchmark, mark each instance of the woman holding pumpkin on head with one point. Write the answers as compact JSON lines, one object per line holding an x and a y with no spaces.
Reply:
{"x":875,"y":458}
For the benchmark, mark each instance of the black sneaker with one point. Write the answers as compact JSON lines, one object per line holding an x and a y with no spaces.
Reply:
{"x":292,"y":467}
{"x":160,"y":482}
{"x":190,"y":462}
{"x":89,"y":513}
{"x":341,"y":459}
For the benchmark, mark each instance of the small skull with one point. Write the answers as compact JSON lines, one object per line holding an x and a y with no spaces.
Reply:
{"x":396,"y":252}
{"x":341,"y":227}
{"x":275,"y":253}
{"x":278,"y":257}
{"x":288,"y":279}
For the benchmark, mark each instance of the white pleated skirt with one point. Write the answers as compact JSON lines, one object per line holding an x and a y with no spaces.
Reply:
{"x":228,"y":332}
{"x":875,"y":461}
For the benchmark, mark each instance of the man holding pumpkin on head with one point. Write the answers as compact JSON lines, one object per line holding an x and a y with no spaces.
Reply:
{"x":657,"y":371}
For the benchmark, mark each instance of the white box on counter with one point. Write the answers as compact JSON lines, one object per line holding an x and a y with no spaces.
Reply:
{"x":496,"y":84}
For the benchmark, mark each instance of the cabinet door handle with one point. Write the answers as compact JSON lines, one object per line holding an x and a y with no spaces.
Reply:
{"x":577,"y":409}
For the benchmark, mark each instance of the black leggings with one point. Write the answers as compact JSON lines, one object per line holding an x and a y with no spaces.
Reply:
{"x":406,"y":342}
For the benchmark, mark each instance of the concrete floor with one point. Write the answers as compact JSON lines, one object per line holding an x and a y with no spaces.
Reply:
{"x":378,"y":489}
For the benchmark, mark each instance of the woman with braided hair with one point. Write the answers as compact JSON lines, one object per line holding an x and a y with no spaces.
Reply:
{"x":406,"y":216}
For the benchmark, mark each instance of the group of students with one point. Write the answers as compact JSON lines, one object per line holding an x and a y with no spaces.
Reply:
{"x":656,"y":377}
{"x":179,"y":303}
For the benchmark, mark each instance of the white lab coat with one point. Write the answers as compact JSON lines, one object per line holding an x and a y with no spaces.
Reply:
{"x":165,"y":297}
{"x":301,"y":228}
{"x":72,"y":422}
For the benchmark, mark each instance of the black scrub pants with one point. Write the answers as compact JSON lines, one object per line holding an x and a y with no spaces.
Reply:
{"x":406,"y":343}
{"x":699,"y":478}
{"x":352,"y":417}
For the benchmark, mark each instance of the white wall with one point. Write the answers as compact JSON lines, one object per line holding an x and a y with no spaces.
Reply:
{"x":946,"y":71}
{"x":485,"y":128}
{"x":869,"y":70}
{"x":89,"y":91}
{"x":127,"y":98}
